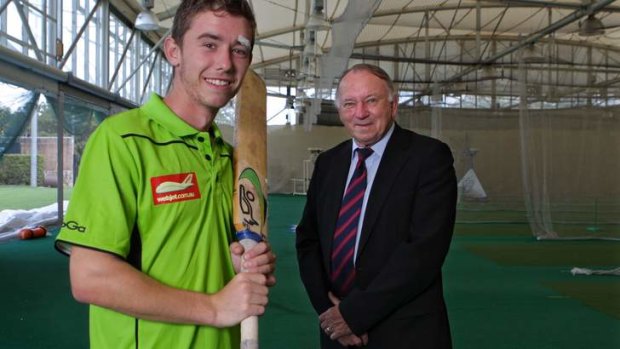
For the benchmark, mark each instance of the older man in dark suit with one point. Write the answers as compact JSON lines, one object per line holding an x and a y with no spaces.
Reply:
{"x":377,"y":225}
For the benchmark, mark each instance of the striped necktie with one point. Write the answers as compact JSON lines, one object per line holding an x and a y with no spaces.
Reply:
{"x":343,"y":246}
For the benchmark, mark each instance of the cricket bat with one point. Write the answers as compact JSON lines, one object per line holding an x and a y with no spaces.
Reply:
{"x":250,"y":185}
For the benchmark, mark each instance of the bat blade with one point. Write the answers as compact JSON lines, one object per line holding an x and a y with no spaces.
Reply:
{"x":250,"y":186}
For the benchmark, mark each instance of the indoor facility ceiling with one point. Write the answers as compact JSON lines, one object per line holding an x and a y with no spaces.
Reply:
{"x":481,"y":47}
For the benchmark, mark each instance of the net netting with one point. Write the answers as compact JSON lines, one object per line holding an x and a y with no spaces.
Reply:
{"x":555,"y":171}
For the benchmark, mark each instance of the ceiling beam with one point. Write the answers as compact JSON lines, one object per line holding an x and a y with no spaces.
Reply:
{"x":532,"y":39}
{"x":164,"y":15}
{"x":601,"y":68}
{"x":487,"y":5}
{"x":462,"y":38}
{"x":169,"y":13}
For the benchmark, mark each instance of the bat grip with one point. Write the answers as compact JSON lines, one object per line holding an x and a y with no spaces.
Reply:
{"x":249,"y":333}
{"x":249,"y":327}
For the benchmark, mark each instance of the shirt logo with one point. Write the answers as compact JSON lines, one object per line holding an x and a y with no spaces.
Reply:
{"x":174,"y":188}
{"x":73,"y":225}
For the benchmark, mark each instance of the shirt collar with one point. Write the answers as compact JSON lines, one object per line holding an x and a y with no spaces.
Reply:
{"x":379,"y":147}
{"x":158,"y":111}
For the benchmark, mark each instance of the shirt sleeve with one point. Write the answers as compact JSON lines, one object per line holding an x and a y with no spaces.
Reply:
{"x":102,"y":208}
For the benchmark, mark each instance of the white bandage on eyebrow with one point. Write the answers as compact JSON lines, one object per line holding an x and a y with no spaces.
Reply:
{"x":244,"y":41}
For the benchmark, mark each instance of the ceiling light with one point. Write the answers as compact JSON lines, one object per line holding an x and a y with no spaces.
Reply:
{"x":146,"y":19}
{"x":591,"y":26}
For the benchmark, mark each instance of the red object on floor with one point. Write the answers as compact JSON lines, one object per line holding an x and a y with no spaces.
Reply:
{"x":38,"y":232}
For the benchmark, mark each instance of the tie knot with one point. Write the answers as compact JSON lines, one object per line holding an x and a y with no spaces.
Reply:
{"x":363,"y":153}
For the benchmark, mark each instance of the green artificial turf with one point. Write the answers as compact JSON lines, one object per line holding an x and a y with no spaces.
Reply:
{"x":38,"y":310}
{"x":599,"y":292}
{"x":290,"y":320}
{"x":497,"y":229}
{"x":502,"y":291}
{"x":550,"y":253}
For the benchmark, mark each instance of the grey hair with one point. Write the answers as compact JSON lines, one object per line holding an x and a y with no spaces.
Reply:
{"x":374,"y":70}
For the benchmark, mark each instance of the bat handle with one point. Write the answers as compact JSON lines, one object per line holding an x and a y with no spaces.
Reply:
{"x":249,"y":326}
{"x":249,"y":333}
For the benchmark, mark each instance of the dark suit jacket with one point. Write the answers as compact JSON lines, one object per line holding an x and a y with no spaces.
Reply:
{"x":397,"y":297}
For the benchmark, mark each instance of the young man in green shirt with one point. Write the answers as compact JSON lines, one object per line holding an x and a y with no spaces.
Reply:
{"x":149,"y":226}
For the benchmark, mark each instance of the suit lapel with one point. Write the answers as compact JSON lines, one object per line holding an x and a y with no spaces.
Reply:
{"x":392,"y":161}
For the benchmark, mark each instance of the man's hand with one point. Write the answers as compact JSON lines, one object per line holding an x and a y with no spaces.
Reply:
{"x":336,"y":328}
{"x":260,"y":259}
{"x":245,"y":295}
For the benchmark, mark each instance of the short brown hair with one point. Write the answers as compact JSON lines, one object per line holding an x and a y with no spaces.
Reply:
{"x":188,"y":9}
{"x":374,"y":70}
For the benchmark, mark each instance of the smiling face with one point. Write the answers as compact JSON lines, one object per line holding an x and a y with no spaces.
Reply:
{"x":210,"y":65}
{"x":364,"y":106}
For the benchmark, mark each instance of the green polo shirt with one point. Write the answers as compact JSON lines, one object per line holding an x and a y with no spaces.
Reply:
{"x":157,"y":193}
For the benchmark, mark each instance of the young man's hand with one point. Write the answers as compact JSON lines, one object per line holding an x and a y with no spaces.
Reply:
{"x":244,"y":296}
{"x":260,"y":259}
